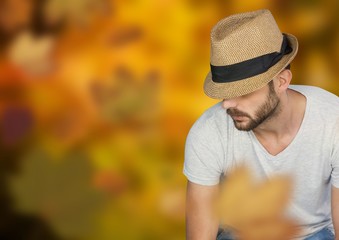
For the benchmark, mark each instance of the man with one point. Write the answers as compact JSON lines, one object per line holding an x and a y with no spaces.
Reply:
{"x":265,"y":123}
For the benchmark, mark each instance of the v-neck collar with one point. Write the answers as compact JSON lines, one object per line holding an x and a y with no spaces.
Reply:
{"x":285,"y":151}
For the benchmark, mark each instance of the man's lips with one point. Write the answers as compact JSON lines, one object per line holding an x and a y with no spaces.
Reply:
{"x":238,"y":117}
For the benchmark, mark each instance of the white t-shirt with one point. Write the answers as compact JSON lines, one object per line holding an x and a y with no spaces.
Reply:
{"x":214,"y":146}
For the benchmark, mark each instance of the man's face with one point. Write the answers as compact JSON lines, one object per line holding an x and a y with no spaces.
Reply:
{"x":251,"y":110}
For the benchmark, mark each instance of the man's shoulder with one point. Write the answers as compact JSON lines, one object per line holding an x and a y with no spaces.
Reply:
{"x":318,"y":96}
{"x":314,"y":91}
{"x":322,"y":105}
{"x":213,"y":118}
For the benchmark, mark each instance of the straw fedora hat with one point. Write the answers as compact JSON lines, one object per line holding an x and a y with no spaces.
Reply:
{"x":247,"y":51}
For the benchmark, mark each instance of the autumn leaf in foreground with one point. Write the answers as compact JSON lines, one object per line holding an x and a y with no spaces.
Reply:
{"x":256,"y":211}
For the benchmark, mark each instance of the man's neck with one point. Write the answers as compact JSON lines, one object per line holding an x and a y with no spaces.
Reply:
{"x":278,"y":132}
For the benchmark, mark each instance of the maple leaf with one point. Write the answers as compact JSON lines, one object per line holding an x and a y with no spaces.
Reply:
{"x":254,"y":210}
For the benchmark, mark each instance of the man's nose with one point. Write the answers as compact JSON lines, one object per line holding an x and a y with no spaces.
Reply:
{"x":229,"y":103}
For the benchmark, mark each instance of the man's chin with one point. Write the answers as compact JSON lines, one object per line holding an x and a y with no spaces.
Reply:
{"x":242,"y":126}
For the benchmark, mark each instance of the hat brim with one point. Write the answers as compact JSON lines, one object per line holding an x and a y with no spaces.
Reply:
{"x":242,"y":87}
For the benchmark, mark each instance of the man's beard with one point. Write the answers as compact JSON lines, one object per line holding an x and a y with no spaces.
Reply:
{"x":266,"y":111}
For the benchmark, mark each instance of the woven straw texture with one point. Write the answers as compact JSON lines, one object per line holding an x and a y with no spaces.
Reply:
{"x":242,"y":37}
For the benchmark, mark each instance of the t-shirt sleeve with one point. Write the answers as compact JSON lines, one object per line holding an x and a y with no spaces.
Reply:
{"x":203,"y":158}
{"x":335,"y":157}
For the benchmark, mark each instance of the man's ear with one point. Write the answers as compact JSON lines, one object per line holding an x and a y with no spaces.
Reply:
{"x":283,"y":80}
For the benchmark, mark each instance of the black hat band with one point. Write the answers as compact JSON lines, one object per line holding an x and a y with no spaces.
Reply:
{"x":251,"y":67}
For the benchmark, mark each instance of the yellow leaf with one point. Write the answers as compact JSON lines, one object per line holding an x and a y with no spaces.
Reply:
{"x":255,"y":210}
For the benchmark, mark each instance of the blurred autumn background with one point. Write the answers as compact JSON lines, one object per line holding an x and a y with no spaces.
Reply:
{"x":96,"y":100}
